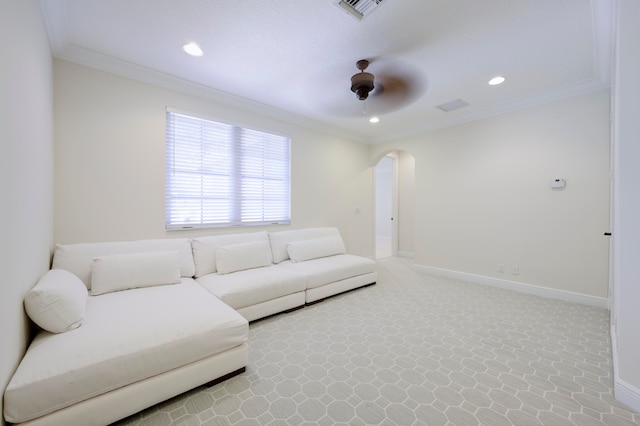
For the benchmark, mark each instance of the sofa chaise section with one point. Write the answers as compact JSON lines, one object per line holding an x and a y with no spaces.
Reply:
{"x":133,"y":349}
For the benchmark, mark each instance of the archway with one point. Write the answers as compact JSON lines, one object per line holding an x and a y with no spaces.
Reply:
{"x":394,"y":216}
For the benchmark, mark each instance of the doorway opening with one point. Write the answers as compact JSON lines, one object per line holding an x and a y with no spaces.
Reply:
{"x":394,"y":207}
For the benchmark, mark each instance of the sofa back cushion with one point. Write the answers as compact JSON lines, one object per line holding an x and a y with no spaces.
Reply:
{"x":204,"y":248}
{"x":134,"y":270}
{"x":280,"y":240}
{"x":78,"y":258}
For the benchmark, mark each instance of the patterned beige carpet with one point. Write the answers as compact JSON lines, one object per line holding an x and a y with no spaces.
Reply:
{"x":416,"y":349}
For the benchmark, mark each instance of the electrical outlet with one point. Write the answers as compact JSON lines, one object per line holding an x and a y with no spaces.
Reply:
{"x":515,"y":270}
{"x":501,"y":268}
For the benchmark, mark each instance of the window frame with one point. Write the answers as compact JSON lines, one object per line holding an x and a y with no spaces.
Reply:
{"x":241,"y":148}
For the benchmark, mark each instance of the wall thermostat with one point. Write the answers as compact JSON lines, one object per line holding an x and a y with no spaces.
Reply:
{"x":558,"y":183}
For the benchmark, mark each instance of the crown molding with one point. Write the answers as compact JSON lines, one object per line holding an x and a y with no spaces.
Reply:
{"x":110,"y":64}
{"x":56,"y":22}
{"x":565,"y":92}
{"x":102,"y":62}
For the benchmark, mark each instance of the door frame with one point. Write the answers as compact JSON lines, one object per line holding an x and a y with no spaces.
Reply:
{"x":394,"y":204}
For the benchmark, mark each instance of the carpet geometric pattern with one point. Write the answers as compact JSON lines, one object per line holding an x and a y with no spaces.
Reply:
{"x":416,"y":349}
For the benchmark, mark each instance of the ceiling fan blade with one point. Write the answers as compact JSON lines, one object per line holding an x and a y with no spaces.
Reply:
{"x":394,"y":92}
{"x":396,"y":85}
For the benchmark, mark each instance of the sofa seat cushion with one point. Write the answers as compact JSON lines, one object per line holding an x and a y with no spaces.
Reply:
{"x":331,"y":269}
{"x":252,"y":286}
{"x":125,"y":337}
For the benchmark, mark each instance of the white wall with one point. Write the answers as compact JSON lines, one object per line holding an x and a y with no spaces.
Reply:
{"x":26,"y":171}
{"x":483,"y":198}
{"x":626,"y":232}
{"x":109,"y":150}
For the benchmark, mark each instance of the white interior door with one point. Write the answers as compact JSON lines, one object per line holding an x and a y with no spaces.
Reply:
{"x":386,"y":208}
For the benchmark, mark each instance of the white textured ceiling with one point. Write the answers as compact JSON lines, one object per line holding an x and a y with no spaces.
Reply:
{"x":293,"y":59}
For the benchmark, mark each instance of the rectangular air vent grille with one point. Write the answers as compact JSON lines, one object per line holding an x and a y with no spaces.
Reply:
{"x":359,"y":8}
{"x":453,"y":105}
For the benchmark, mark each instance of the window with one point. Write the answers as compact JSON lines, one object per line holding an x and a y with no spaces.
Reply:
{"x":223,"y":175}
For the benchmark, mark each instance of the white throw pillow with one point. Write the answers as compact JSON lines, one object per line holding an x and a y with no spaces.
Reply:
{"x":204,"y":248}
{"x":241,"y":256}
{"x":134,"y":270}
{"x":300,"y":251}
{"x":57,"y":302}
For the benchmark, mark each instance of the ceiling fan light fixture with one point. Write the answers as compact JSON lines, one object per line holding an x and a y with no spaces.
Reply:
{"x":362,"y":84}
{"x":496,"y":80}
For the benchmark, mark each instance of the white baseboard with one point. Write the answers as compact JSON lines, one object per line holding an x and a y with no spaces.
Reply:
{"x":405,"y":254}
{"x":627,"y":394}
{"x":622,"y":391}
{"x":551,"y":293}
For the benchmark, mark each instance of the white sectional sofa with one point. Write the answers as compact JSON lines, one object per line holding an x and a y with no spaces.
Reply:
{"x":125,"y":325}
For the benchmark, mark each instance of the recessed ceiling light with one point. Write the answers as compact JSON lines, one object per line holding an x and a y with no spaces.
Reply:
{"x":496,"y":80}
{"x":374,"y":120}
{"x":192,"y":49}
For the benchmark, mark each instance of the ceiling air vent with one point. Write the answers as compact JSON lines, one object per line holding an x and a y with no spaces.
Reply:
{"x":359,"y":8}
{"x":453,"y":105}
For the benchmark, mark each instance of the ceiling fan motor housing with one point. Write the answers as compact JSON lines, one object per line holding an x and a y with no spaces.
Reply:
{"x":362,"y":84}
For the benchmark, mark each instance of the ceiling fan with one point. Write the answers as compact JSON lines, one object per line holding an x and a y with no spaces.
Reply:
{"x":394,"y":86}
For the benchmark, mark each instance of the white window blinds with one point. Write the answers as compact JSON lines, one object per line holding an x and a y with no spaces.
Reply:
{"x":223,"y":175}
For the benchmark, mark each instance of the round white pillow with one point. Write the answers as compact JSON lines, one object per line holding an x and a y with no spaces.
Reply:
{"x":57,"y":302}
